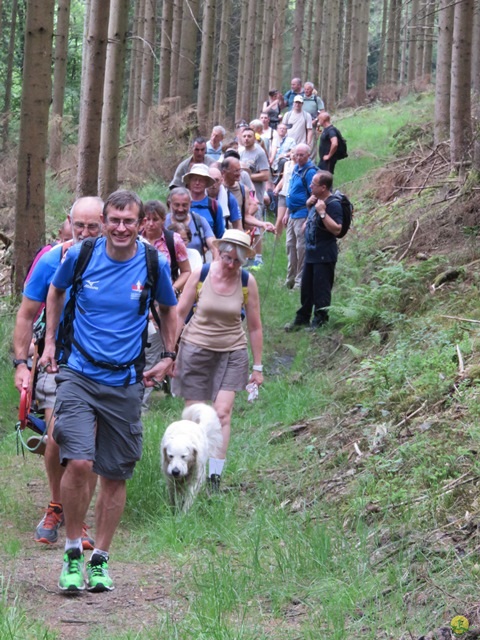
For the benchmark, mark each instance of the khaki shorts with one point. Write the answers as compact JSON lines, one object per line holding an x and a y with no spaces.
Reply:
{"x":201,"y":373}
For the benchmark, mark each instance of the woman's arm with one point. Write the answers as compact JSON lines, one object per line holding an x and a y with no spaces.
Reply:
{"x":185,"y":271}
{"x":254,"y":324}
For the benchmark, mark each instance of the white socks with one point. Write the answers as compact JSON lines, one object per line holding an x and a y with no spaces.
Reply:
{"x":215,"y":466}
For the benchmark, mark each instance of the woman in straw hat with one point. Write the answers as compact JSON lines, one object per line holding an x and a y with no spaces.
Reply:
{"x":212,"y":363}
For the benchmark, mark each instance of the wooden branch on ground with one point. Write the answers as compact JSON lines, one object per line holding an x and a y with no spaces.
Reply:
{"x":461,"y":319}
{"x":417,"y":226}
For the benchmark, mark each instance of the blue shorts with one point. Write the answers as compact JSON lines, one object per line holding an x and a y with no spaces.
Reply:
{"x":96,"y":422}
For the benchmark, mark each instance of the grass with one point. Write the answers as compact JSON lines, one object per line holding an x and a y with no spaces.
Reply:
{"x":363,"y":523}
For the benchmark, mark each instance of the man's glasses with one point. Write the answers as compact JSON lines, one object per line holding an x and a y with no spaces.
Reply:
{"x":127,"y":222}
{"x":80,"y":226}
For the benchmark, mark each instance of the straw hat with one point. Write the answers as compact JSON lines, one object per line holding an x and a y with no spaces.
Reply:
{"x":199,"y":170}
{"x":238,"y":238}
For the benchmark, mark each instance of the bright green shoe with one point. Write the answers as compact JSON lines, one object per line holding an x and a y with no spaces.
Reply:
{"x":71,"y":579}
{"x":97,"y":574}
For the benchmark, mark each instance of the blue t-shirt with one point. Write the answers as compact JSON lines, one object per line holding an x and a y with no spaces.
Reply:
{"x":203,"y":228}
{"x":298,"y":194}
{"x":218,"y":224}
{"x":36,"y":287}
{"x":107,"y":322}
{"x":213,"y":153}
{"x":235,"y":213}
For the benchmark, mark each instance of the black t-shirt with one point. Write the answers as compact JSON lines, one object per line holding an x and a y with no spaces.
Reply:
{"x":325,"y":140}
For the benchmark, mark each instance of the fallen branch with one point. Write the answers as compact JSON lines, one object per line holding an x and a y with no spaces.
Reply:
{"x":461,"y":367}
{"x":417,"y":226}
{"x":461,"y":319}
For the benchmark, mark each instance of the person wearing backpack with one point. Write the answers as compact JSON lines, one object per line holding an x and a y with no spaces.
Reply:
{"x":86,"y":220}
{"x":329,"y":141}
{"x":322,"y":227}
{"x":101,"y":382}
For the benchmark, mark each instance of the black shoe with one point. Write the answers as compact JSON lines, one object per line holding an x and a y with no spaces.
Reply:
{"x":214,"y":483}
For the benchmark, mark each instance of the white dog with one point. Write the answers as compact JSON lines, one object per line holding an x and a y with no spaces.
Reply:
{"x":185,"y":449}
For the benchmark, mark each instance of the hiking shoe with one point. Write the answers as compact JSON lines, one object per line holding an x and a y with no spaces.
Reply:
{"x":87,"y":541}
{"x":37,"y":444}
{"x":71,"y":579}
{"x":97,"y":574}
{"x":255,"y":265}
{"x":294,"y":326}
{"x":214,"y":483}
{"x":47,"y":528}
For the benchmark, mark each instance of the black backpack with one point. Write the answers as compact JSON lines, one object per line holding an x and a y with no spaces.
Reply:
{"x":341,"y":151}
{"x":347,"y":210}
{"x":65,"y":337}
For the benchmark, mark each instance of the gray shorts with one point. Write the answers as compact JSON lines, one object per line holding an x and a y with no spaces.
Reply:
{"x":45,"y":390}
{"x":201,"y":373}
{"x":96,"y":422}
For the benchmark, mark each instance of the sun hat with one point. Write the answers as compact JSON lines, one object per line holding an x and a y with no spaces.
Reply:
{"x":239,"y":238}
{"x":298,"y":99}
{"x":199,"y":170}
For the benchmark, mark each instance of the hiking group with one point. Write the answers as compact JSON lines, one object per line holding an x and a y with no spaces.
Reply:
{"x":99,"y":312}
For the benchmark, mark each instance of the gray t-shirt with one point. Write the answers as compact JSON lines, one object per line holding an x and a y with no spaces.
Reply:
{"x":257,"y":161}
{"x":301,"y":123}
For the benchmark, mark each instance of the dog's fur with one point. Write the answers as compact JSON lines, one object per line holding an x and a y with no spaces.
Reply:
{"x":185,"y":449}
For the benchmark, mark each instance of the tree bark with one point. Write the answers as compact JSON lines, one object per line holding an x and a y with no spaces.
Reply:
{"x":148,"y":63}
{"x":332,"y":77}
{"x":188,"y":52}
{"x":206,"y":67}
{"x":135,"y":52}
{"x":165,"y":50}
{"x":412,"y":42}
{"x":112,"y":98}
{"x":221,"y":77}
{"x":248,"y":60}
{"x":241,"y":61}
{"x":429,"y":38}
{"x":441,"y":127}
{"x":276,"y":64}
{"x":357,"y":83}
{"x":316,"y":44}
{"x":9,"y":75}
{"x":266,"y":53}
{"x":460,"y":103}
{"x":59,"y":79}
{"x":176,"y":44}
{"x":33,"y":140}
{"x":298,"y":20}
{"x":91,"y":107}
{"x":476,"y":85}
{"x":326,"y":46}
{"x":383,"y":38}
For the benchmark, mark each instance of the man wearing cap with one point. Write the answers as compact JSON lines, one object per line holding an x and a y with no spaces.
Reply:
{"x":197,"y":180}
{"x":199,"y":150}
{"x":299,"y":123}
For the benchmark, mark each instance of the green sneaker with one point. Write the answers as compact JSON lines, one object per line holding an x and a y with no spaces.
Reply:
{"x":97,"y":574}
{"x":71,"y":579}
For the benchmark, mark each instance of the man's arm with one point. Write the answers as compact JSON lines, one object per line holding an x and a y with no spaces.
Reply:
{"x":55,"y":304}
{"x":260,"y":176}
{"x":333,"y":148}
{"x":22,"y":338}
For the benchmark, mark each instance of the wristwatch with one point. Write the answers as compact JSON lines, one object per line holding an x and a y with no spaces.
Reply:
{"x":322,"y":215}
{"x":17,"y":361}
{"x":168,"y":354}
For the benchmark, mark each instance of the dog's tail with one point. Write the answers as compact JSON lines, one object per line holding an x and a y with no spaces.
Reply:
{"x":206,"y":415}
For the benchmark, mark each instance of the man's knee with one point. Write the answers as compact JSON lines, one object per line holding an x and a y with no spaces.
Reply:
{"x":79,"y":468}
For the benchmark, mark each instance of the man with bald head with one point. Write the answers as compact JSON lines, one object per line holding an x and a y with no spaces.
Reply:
{"x":298,"y":194}
{"x":295,"y":90}
{"x":86,"y":221}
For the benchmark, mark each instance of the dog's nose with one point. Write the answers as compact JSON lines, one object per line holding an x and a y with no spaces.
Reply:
{"x":175,"y":472}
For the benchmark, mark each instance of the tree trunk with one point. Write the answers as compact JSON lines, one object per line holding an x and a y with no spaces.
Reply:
{"x":297,"y":53}
{"x":326,"y":47}
{"x":221,"y":81}
{"x":59,"y":77}
{"x":441,"y":127}
{"x":241,"y":61}
{"x":112,"y":98}
{"x":476,"y":85}
{"x":136,"y":50}
{"x":176,"y":43}
{"x":255,"y":80}
{"x":33,"y":139}
{"x":429,"y":38}
{"x":316,"y":44}
{"x":420,"y":41}
{"x":332,"y":77}
{"x":188,"y":52}
{"x":309,"y":35}
{"x":357,"y":83}
{"x":8,"y":79}
{"x":206,"y":67}
{"x":460,"y":104}
{"x":278,"y":36}
{"x":346,"y":47}
{"x":138,"y":71}
{"x":165,"y":50}
{"x":248,"y":60}
{"x":383,"y":38}
{"x":412,"y":42}
{"x":91,"y":107}
{"x":402,"y":43}
{"x":148,"y":63}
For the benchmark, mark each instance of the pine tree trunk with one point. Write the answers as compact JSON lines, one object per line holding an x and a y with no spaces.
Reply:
{"x":165,"y":50}
{"x":326,"y":46}
{"x":276,"y":64}
{"x":476,"y":85}
{"x":333,"y":57}
{"x":249,"y":58}
{"x":266,"y":53}
{"x":316,"y":44}
{"x":221,"y":82}
{"x":460,"y":104}
{"x":346,"y":47}
{"x":307,"y":55}
{"x":135,"y":52}
{"x":383,"y":38}
{"x":176,"y":44}
{"x":420,"y":41}
{"x":59,"y":77}
{"x":138,"y":71}
{"x":412,"y":42}
{"x":206,"y":66}
{"x":429,"y":38}
{"x":188,"y":52}
{"x":112,"y":98}
{"x":33,"y":138}
{"x":241,"y":61}
{"x":148,"y":64}
{"x":441,"y":127}
{"x":297,"y":54}
{"x":91,"y":107}
{"x":9,"y":75}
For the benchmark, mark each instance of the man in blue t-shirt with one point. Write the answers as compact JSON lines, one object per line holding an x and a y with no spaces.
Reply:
{"x":297,"y":196}
{"x":323,"y":224}
{"x":197,"y":180}
{"x":86,"y":221}
{"x":100,"y":388}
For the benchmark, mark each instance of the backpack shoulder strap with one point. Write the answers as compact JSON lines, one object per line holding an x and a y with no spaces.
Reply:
{"x":170,"y":241}
{"x":151,"y":259}
{"x":213,"y":208}
{"x":200,"y":231}
{"x":245,"y":276}
{"x":83,"y":259}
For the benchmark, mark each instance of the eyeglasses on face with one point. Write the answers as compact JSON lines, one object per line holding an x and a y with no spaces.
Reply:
{"x":229,"y":260}
{"x":80,"y":226}
{"x":127,"y":222}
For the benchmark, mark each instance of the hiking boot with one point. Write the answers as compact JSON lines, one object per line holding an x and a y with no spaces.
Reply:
{"x":97,"y":574}
{"x":47,"y":528}
{"x":37,"y":444}
{"x":87,"y":541}
{"x":294,"y":326}
{"x":71,"y":579}
{"x":214,"y":483}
